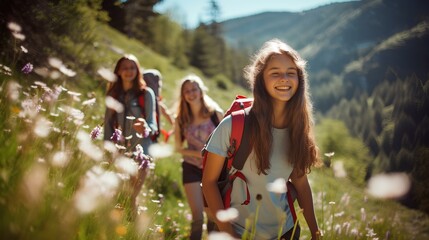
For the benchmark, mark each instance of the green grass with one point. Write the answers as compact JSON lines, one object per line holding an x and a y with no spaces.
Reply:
{"x":39,"y":194}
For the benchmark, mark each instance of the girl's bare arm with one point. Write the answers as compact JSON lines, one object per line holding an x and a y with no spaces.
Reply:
{"x":305,"y":200}
{"x":212,"y":170}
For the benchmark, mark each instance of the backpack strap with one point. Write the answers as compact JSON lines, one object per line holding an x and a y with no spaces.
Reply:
{"x":156,"y":110}
{"x":291,"y":196}
{"x":237,"y":131}
{"x":141,"y":102}
{"x":237,"y":128}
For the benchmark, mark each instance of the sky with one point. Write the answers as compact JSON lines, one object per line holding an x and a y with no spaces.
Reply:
{"x":190,"y":12}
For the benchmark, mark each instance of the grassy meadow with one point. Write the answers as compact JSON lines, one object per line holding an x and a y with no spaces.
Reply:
{"x":56,"y":182}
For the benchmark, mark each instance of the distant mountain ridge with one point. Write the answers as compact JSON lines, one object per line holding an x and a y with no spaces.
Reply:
{"x":337,"y":36}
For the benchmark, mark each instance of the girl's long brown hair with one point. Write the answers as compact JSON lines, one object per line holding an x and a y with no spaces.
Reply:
{"x":184,"y":113}
{"x":303,"y":152}
{"x":114,"y":89}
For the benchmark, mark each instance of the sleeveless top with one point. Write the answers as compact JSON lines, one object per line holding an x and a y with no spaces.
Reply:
{"x":196,"y":136}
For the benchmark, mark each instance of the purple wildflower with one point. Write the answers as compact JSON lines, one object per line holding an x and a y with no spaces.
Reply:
{"x":28,"y":68}
{"x":117,"y":136}
{"x":95,"y":132}
{"x":141,"y":158}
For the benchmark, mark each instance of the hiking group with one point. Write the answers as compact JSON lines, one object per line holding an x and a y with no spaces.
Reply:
{"x":229,"y":160}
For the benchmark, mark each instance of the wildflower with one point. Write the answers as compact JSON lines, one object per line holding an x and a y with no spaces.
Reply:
{"x":389,"y":186}
{"x":114,"y":104}
{"x":28,"y":68}
{"x":18,"y":36}
{"x":50,"y":95}
{"x":220,"y":236}
{"x":338,"y":168}
{"x":60,"y":159}
{"x":14,"y":27}
{"x":278,"y":186}
{"x":363,"y":214}
{"x":55,"y":62}
{"x":110,"y":147}
{"x":13,"y":90}
{"x":159,"y":150}
{"x":95,"y":132}
{"x":227,"y":215}
{"x":330,"y":154}
{"x":354,"y":232}
{"x":107,"y":74}
{"x":24,"y":50}
{"x":5,"y":70}
{"x":141,"y":158}
{"x":121,"y":230}
{"x":97,"y":188}
{"x":76,"y":94}
{"x":34,"y":184}
{"x":117,"y":136}
{"x":42,"y":71}
{"x":42,"y":128}
{"x":67,"y":72}
{"x":87,"y":147}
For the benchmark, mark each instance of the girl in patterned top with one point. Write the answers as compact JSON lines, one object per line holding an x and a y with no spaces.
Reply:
{"x":194,"y":123}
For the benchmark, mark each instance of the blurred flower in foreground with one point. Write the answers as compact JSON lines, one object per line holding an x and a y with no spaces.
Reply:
{"x":107,"y":74}
{"x":110,"y":147}
{"x":87,"y":147}
{"x":142,"y":223}
{"x":227,"y":215}
{"x":33,"y":184}
{"x":42,"y":128}
{"x":30,"y":107}
{"x":126,"y":165}
{"x":14,"y":27}
{"x":24,"y":50}
{"x":160,"y":150}
{"x":58,"y":64}
{"x":95,"y":132}
{"x":97,"y":188}
{"x":5,"y":70}
{"x":89,"y":102}
{"x":28,"y":68}
{"x":60,"y":159}
{"x":389,"y":186}
{"x":338,"y":168}
{"x":220,"y":236}
{"x":13,"y":89}
{"x":278,"y":186}
{"x":114,"y":104}
{"x":330,"y":154}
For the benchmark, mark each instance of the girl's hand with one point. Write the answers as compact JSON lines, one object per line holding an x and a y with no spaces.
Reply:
{"x":142,"y":127}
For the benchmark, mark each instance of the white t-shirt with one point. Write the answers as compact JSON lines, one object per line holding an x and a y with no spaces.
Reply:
{"x":273,"y":206}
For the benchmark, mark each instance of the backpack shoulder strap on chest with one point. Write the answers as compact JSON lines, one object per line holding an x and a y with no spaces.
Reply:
{"x":240,"y":146}
{"x":141,"y":99}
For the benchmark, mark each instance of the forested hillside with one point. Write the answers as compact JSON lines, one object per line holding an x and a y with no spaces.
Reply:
{"x":369,"y":67}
